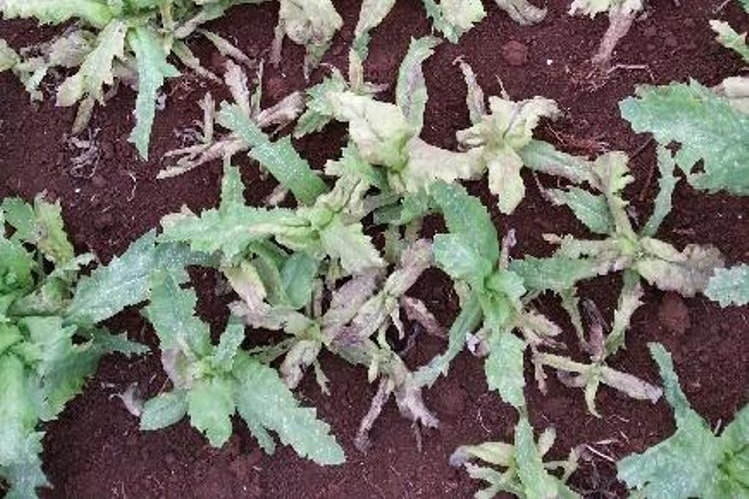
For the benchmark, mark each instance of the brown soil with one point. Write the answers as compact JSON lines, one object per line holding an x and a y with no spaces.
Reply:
{"x":95,"y":449}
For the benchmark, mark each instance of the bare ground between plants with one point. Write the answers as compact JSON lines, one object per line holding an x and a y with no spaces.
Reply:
{"x":96,"y":450}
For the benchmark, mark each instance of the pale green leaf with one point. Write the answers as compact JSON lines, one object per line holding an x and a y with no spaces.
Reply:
{"x":686,"y":272}
{"x":730,"y":39}
{"x":58,"y":11}
{"x":310,"y":23}
{"x":666,"y":185}
{"x":230,"y":231}
{"x":428,"y":164}
{"x":264,"y":401}
{"x":537,"y":482}
{"x":467,"y":321}
{"x":96,"y":70}
{"x":8,"y":57}
{"x":319,"y":111}
{"x":544,"y":158}
{"x":279,"y":158}
{"x":594,"y":7}
{"x":371,"y":14}
{"x":504,"y":179}
{"x":730,"y":286}
{"x":706,"y":126}
{"x":351,"y":246}
{"x":153,"y":69}
{"x":411,"y":91}
{"x":228,"y":345}
{"x":379,"y":130}
{"x":522,"y":11}
{"x":453,"y":18}
{"x":591,"y":209}
{"x":40,"y":225}
{"x":297,"y":278}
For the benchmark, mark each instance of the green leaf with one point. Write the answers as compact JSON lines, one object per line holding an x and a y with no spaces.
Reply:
{"x":61,"y":364}
{"x":319,"y":112}
{"x":297,"y":277}
{"x":172,"y":313}
{"x":97,"y":69}
{"x":467,"y":217}
{"x":706,"y":126}
{"x":210,"y":405}
{"x":730,"y":39}
{"x":504,"y":368}
{"x":265,"y":402}
{"x":553,"y":274}
{"x":228,"y":345}
{"x":111,"y":288}
{"x":467,"y":321}
{"x":459,"y":259}
{"x":411,"y":91}
{"x":125,"y":280}
{"x":730,"y":286}
{"x":537,"y":482}
{"x":279,"y":158}
{"x":545,"y":158}
{"x":591,"y":209}
{"x":163,"y":410}
{"x":153,"y":69}
{"x":229,"y":231}
{"x":693,"y":462}
{"x":666,"y":186}
{"x":40,"y":225}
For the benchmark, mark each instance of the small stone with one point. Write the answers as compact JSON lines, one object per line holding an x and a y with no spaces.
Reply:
{"x":650,"y":32}
{"x":515,"y":53}
{"x":673,"y":314}
{"x":671,"y":41}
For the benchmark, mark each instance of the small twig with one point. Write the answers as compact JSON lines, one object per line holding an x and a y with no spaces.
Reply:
{"x":722,"y":6}
{"x":600,"y":454}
